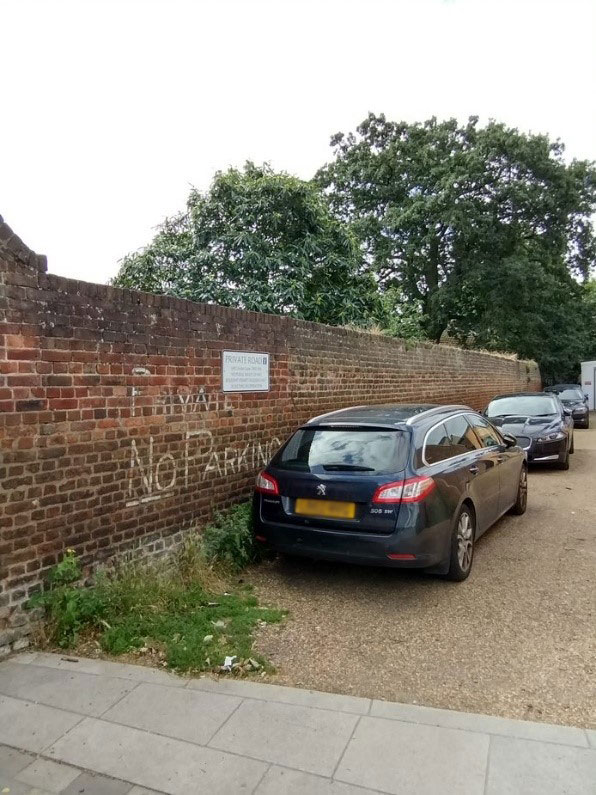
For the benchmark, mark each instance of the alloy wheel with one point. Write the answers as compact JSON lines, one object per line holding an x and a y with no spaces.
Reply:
{"x":465,"y":541}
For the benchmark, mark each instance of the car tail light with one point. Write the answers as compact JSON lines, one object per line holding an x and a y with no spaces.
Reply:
{"x":266,"y":484}
{"x":410,"y":490}
{"x":401,"y":556}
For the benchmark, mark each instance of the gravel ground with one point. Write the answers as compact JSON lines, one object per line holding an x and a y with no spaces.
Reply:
{"x":517,"y":639}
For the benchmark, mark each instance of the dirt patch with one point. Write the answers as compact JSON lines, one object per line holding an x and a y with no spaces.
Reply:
{"x":517,"y":639}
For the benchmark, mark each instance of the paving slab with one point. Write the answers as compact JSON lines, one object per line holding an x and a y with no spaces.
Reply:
{"x":136,"y":673}
{"x":32,"y":727}
{"x":13,"y":761}
{"x":304,"y":738}
{"x":76,"y":692}
{"x":193,"y":716}
{"x":92,"y":784}
{"x":47,"y":775}
{"x":408,"y":759}
{"x":147,"y":738}
{"x":161,"y":763}
{"x":532,"y":768}
{"x":285,"y":695}
{"x":489,"y":724}
{"x":282,"y":780}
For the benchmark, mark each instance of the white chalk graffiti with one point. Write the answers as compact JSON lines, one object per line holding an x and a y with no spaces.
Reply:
{"x":156,"y":477}
{"x":153,"y":475}
{"x":180,"y":400}
{"x":183,"y":400}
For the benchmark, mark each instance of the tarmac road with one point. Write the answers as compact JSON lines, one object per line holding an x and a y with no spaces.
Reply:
{"x":517,"y":639}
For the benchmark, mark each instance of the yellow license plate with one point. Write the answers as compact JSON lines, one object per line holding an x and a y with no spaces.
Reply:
{"x":329,"y":508}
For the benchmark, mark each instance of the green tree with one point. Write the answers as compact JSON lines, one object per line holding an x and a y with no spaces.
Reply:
{"x":483,"y":228}
{"x":263,"y":241}
{"x":590,"y":319}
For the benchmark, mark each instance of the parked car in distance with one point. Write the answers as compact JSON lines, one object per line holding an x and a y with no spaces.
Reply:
{"x":393,"y":485}
{"x":542,"y":425}
{"x":572,"y":397}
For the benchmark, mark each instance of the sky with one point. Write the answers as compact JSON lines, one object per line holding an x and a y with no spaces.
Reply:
{"x":111,"y":110}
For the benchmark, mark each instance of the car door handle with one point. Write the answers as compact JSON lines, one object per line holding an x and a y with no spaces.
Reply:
{"x":473,"y":469}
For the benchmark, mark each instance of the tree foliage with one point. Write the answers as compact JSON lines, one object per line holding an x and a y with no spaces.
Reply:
{"x":263,"y":241}
{"x":485,"y":228}
{"x":589,"y":301}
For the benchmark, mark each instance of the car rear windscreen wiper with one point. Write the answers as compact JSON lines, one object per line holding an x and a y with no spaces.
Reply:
{"x":348,"y":467}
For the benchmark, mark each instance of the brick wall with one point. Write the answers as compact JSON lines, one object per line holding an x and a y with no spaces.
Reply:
{"x":115,"y":432}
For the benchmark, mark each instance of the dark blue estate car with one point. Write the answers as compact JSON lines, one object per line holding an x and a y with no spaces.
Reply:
{"x":391,"y":485}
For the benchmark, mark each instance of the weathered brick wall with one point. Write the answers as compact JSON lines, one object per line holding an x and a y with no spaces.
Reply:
{"x":115,"y":432}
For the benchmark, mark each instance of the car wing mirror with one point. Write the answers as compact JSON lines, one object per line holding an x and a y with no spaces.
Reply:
{"x":567,"y":412}
{"x":510,"y":441}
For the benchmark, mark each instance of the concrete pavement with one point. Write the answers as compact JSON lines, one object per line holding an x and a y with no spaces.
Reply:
{"x":103,"y":728}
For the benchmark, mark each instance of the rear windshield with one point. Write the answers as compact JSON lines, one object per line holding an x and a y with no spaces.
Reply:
{"x":344,"y":450}
{"x":522,"y":405}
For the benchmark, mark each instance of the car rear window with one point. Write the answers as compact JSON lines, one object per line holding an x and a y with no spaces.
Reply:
{"x":372,"y":451}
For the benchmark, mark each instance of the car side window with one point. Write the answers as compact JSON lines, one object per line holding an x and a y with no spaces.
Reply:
{"x":437,"y":446}
{"x":488,"y":436}
{"x":461,"y":436}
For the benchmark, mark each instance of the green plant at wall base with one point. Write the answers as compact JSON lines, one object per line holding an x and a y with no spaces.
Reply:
{"x":228,"y":539}
{"x":169,"y":608}
{"x":69,"y":606}
{"x":67,"y":571}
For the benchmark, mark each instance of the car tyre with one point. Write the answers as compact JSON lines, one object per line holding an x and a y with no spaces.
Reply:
{"x":564,"y":462}
{"x":521,"y":503}
{"x":462,"y":546}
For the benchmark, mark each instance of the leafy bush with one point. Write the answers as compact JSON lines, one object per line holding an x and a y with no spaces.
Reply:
{"x":229,"y":540}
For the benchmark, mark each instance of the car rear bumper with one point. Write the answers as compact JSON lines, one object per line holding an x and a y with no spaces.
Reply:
{"x":429,"y":547}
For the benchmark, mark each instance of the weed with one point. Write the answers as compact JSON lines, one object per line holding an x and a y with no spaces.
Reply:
{"x":69,"y":607}
{"x":228,"y":540}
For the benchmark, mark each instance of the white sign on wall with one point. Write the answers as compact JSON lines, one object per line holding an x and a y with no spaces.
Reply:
{"x":244,"y":371}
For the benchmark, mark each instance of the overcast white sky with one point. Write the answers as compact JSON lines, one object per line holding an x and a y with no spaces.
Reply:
{"x":109,"y":111}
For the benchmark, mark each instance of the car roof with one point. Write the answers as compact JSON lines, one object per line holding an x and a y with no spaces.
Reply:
{"x":389,"y":414}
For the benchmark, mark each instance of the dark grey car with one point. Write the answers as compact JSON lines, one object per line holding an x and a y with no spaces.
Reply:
{"x":573,"y":397}
{"x":541,"y":424}
{"x":409,"y":486}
